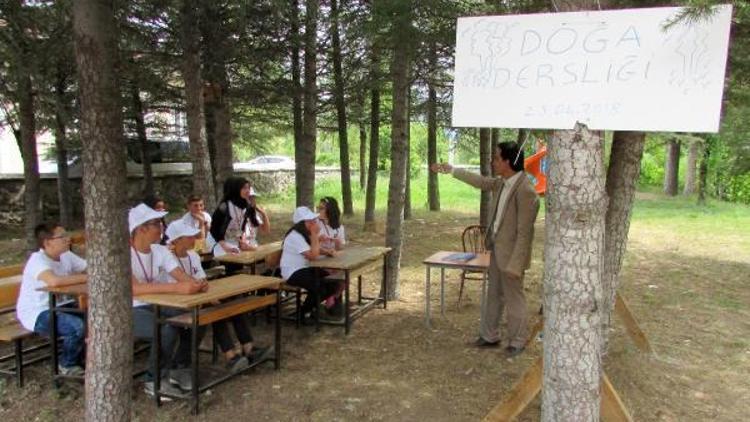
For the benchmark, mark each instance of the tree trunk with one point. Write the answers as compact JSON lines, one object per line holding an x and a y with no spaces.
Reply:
{"x":397,"y":183}
{"x":573,"y":252}
{"x":338,"y":78}
{"x":372,"y":170}
{"x":223,"y":133}
{"x":109,"y":359}
{"x":671,"y":167}
{"x":362,"y":149}
{"x":691,"y":170}
{"x":485,"y":168}
{"x":296,"y":75}
{"x":63,"y":182}
{"x":304,"y":152}
{"x":407,"y":188}
{"x":703,"y":173}
{"x":203,"y":182}
{"x":622,"y":178}
{"x":433,"y":189}
{"x":140,"y":130}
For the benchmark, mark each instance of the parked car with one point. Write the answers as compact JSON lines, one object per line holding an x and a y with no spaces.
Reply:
{"x":267,"y":162}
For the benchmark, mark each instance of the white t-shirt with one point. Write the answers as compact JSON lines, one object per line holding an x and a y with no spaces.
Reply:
{"x":233,"y":232}
{"x":191,"y":264}
{"x":331,"y":233}
{"x":32,"y":302}
{"x":192,"y":222}
{"x":291,"y":255}
{"x":251,"y":232}
{"x":146,"y":268}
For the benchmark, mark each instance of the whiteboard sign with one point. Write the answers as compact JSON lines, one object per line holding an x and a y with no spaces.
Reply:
{"x":617,"y":70}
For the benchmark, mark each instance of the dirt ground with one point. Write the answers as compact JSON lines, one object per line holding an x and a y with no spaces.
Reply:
{"x":690,"y":296}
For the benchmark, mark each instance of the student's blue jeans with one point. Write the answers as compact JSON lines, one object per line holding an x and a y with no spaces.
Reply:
{"x":71,"y":328}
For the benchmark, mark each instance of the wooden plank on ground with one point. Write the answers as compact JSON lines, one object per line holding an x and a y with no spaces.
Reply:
{"x":520,"y":396}
{"x":612,"y":408}
{"x":631,"y":325}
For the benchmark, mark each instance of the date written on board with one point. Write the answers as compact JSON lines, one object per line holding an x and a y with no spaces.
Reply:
{"x":580,"y":111}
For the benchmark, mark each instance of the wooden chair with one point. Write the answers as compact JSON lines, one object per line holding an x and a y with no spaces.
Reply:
{"x":472,"y":240}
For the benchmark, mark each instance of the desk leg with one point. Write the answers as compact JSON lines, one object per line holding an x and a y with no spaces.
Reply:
{"x":194,"y":372}
{"x":384,"y":287}
{"x":427,"y":298}
{"x":252,"y":268}
{"x":53,"y":336}
{"x":347,"y":319}
{"x":442,"y":291}
{"x":316,"y":298}
{"x":157,"y":355}
{"x":277,"y":337}
{"x":359,"y":290}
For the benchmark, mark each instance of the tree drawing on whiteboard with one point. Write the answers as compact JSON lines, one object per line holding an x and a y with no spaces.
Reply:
{"x":489,"y":42}
{"x":690,"y":44}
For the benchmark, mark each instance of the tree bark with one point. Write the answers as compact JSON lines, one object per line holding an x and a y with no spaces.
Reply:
{"x":338,"y":78}
{"x":433,"y":188}
{"x":671,"y":167}
{"x":372,"y":170}
{"x":140,"y":130}
{"x":399,"y":117}
{"x":203,"y":182}
{"x":109,"y":360}
{"x":691,"y":170}
{"x":63,"y":182}
{"x":362,"y":148}
{"x":622,"y":178}
{"x":703,"y":173}
{"x":296,"y":74}
{"x":304,"y":151}
{"x":485,"y":168}
{"x":573,"y":252}
{"x":407,"y":187}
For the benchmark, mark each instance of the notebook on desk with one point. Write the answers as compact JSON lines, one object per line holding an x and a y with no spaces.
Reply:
{"x":460,"y":257}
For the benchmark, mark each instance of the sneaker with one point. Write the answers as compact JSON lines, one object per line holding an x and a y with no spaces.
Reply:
{"x":482,"y":343}
{"x":70,"y":371}
{"x":164,"y":388}
{"x":259,"y":355}
{"x":181,"y":378}
{"x":237,"y":364}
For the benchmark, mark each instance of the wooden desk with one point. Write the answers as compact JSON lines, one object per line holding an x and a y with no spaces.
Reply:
{"x":219,"y":289}
{"x":250,"y":258}
{"x":354,"y":261}
{"x":481,"y":262}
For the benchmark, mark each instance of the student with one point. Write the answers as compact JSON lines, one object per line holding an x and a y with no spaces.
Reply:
{"x":148,"y":260}
{"x":302,"y":245}
{"x":234,"y":222}
{"x":53,"y":265}
{"x":197,"y":217}
{"x":332,"y":239}
{"x":257,"y":218}
{"x":158,"y":204}
{"x":182,"y":240}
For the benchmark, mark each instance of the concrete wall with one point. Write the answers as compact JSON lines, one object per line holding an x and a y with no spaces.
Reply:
{"x":173,"y":187}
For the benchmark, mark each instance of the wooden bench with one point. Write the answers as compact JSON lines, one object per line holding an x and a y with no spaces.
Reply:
{"x":11,"y":330}
{"x":224,"y":310}
{"x":297,"y":292}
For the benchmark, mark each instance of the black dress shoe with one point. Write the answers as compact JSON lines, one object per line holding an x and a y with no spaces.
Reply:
{"x":513,"y":351}
{"x":480,"y":342}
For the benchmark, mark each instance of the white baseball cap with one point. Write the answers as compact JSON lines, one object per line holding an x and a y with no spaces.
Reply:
{"x":179,"y":228}
{"x":252,"y":192}
{"x":302,"y":214}
{"x":141,"y":214}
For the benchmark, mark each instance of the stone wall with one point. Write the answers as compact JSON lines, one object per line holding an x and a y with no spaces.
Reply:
{"x":174,"y":188}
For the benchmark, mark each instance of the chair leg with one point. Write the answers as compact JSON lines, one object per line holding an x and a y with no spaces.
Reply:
{"x":461,"y":289}
{"x":19,"y":362}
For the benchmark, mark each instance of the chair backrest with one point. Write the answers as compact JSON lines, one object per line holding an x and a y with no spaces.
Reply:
{"x":273,"y":260}
{"x":473,"y":239}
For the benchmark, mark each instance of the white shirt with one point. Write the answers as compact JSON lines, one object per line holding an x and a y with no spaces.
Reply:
{"x":331,"y":233}
{"x":32,"y":302}
{"x":234,"y":230}
{"x":146,"y":267}
{"x":502,"y":202}
{"x":291,"y":255}
{"x":193,"y":222}
{"x":191,"y":264}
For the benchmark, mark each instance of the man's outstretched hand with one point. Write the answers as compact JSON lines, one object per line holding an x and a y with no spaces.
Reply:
{"x":441,"y":167}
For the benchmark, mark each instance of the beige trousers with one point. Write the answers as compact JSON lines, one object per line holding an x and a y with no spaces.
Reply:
{"x":504,"y":294}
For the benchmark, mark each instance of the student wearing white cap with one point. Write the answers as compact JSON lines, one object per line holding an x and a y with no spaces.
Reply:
{"x":147,"y":260}
{"x":302,"y":245}
{"x":182,"y":238}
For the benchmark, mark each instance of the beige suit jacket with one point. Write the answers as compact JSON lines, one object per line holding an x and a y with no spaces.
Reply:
{"x":512,"y":243}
